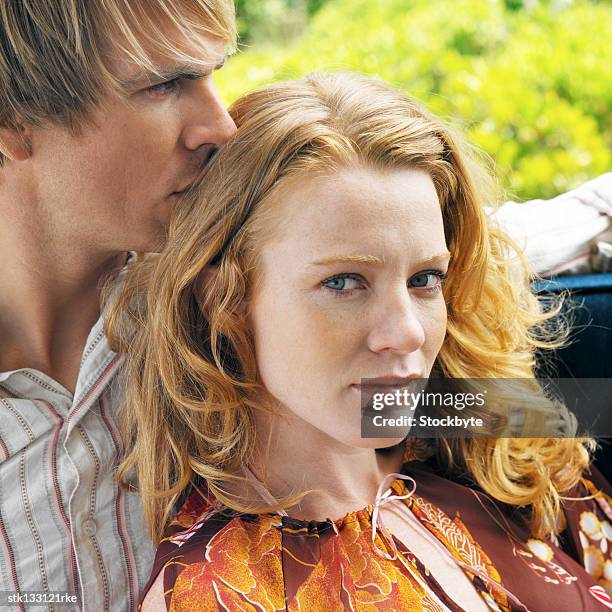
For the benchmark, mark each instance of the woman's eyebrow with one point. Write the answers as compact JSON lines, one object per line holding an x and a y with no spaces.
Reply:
{"x":363,"y":259}
{"x":435,"y":259}
{"x":373,"y":259}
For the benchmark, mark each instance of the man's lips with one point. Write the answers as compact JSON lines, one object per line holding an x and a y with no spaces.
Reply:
{"x":181,"y":192}
{"x":196,"y":169}
{"x":204,"y":160}
{"x":184,"y":188}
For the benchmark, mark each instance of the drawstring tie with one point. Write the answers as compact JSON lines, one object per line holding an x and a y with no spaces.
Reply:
{"x":259,"y":487}
{"x":383,"y":497}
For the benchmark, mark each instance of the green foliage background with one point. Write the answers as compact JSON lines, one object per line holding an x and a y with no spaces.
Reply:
{"x":529,"y":80}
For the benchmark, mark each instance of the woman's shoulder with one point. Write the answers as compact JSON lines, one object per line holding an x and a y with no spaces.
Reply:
{"x":210,"y":554}
{"x":193,"y":504}
{"x":585,"y":545}
{"x":588,"y":535}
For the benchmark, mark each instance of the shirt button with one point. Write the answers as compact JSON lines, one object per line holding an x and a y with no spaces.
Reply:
{"x":89,"y":527}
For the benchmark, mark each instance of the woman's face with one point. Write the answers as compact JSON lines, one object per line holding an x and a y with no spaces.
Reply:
{"x":349,"y":289}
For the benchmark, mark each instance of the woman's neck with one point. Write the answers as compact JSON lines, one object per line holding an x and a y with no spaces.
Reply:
{"x":302,"y":457}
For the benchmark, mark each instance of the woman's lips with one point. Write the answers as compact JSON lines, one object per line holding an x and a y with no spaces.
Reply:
{"x":386,"y":381}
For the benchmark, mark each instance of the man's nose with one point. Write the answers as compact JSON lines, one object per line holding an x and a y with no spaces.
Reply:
{"x":210,"y":122}
{"x":395,"y":324}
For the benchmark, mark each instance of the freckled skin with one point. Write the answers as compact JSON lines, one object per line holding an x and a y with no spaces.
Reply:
{"x":315,"y":337}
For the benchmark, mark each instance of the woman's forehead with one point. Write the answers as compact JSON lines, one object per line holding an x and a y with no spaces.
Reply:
{"x":359,"y":213}
{"x":361,"y":195}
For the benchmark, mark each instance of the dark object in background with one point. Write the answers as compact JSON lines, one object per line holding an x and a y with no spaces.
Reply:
{"x":589,"y":354}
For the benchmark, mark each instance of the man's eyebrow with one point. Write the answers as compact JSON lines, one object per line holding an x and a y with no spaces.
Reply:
{"x":372,"y":259}
{"x":189,"y":73}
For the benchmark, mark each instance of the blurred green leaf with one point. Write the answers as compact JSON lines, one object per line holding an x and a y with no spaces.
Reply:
{"x":529,"y":80}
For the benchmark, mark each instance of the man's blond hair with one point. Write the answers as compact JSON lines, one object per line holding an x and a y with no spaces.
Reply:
{"x":55,"y":54}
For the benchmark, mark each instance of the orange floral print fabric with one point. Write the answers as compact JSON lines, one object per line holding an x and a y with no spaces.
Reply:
{"x":221,"y":560}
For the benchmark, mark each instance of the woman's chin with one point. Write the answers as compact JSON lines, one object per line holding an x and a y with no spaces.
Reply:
{"x":373,"y":443}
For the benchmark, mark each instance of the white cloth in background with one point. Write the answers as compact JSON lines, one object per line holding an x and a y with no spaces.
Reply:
{"x":559,"y":235}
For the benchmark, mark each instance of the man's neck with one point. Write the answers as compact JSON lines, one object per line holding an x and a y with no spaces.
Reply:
{"x":49,"y":301}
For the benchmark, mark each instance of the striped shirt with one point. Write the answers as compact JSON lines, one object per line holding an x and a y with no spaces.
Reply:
{"x":65,"y":525}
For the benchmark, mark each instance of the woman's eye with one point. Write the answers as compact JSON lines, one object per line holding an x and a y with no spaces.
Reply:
{"x":431,"y":281}
{"x":343,"y":283}
{"x":165,"y":87}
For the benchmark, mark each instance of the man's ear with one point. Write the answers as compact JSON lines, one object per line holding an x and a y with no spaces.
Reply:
{"x":16,"y":141}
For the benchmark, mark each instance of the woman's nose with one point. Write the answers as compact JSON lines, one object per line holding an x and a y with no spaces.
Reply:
{"x":395,"y":324}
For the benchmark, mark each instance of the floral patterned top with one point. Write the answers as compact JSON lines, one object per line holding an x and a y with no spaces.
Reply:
{"x":223,"y":560}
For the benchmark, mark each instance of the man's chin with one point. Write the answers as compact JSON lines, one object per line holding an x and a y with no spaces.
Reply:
{"x":154,"y":241}
{"x":157,"y":244}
